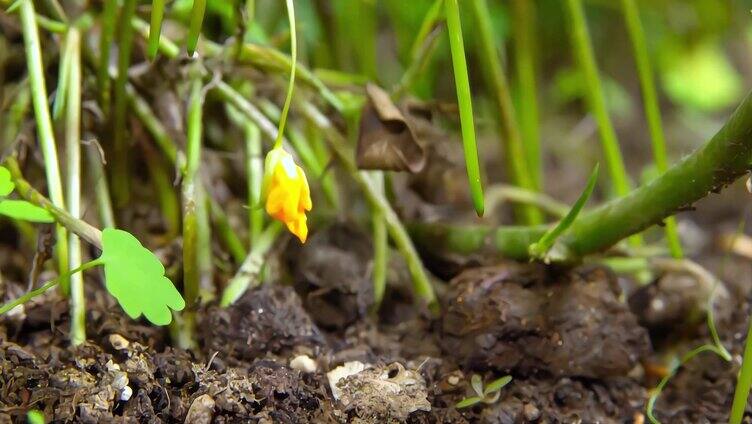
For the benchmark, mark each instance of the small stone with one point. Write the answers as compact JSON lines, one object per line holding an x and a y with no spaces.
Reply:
{"x":531,"y":412}
{"x":126,"y":393}
{"x":341,"y":372}
{"x":118,"y":342}
{"x":453,"y":380}
{"x":303,"y":363}
{"x":201,"y":410}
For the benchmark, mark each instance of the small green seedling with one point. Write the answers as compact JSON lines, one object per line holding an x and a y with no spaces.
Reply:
{"x":35,"y":417}
{"x":19,"y":209}
{"x":540,"y":249}
{"x":488,"y":395}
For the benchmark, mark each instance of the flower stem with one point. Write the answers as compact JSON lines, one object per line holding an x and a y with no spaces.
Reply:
{"x":293,"y":67}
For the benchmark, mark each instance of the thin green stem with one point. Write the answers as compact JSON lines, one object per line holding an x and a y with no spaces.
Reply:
{"x":652,"y":109}
{"x":194,"y":28}
{"x":380,"y":244}
{"x":496,"y":80}
{"x":596,"y":101}
{"x":120,"y":178}
{"x":73,"y":192}
{"x":159,"y":173}
{"x":743,"y":383}
{"x":293,"y":67}
{"x":465,"y":100}
{"x":44,"y":126}
{"x":101,"y":190}
{"x":254,"y":171}
{"x":109,"y":23}
{"x":204,"y":251}
{"x":155,"y":29}
{"x":525,"y":47}
{"x":164,"y":46}
{"x":250,"y":270}
{"x":48,"y":285}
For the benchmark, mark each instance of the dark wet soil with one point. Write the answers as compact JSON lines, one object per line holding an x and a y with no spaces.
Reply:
{"x":580,"y":344}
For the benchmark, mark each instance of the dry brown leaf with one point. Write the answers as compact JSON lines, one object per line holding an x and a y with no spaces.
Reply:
{"x":386,"y":140}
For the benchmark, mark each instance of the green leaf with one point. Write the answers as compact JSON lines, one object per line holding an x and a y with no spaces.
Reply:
{"x":35,"y":417}
{"x":539,"y":249}
{"x":468,"y":402}
{"x":497,"y":385}
{"x":135,"y":277}
{"x":23,"y":210}
{"x":6,"y":184}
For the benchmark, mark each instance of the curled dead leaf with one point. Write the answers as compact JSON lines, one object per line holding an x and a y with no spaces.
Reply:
{"x":386,"y":140}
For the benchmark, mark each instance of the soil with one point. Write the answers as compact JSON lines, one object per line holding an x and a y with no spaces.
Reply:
{"x":579,"y":344}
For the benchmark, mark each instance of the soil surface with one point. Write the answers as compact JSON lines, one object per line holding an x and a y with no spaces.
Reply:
{"x":581,"y":344}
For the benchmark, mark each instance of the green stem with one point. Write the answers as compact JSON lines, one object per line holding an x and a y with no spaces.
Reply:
{"x":380,"y":245}
{"x":525,"y":47}
{"x":109,"y":23}
{"x":293,"y":67}
{"x":248,"y":273}
{"x":48,"y":285}
{"x":718,"y":163}
{"x":464,"y":98}
{"x":155,"y":29}
{"x":652,"y":109}
{"x":596,"y":101}
{"x":194,"y":29}
{"x":44,"y":127}
{"x":497,"y":82}
{"x":101,"y":190}
{"x":73,"y":153}
{"x":744,"y":382}
{"x":120,"y":177}
{"x":255,"y":172}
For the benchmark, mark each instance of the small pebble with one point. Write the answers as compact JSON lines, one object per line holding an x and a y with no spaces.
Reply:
{"x":531,"y":412}
{"x":126,"y":393}
{"x":304,"y":363}
{"x":118,"y":342}
{"x":453,"y":380}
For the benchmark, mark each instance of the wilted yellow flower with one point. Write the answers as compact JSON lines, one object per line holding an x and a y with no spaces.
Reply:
{"x":286,"y":192}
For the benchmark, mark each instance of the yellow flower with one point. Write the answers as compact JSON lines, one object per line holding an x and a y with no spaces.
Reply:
{"x":286,"y":192}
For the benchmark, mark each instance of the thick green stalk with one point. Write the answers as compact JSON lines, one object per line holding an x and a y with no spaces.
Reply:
{"x":73,"y":192}
{"x":525,"y":47}
{"x":254,"y":171}
{"x":497,"y":82}
{"x":249,"y":271}
{"x":718,"y":163}
{"x":109,"y":23}
{"x":652,"y":109}
{"x":120,"y":177}
{"x":467,"y":122}
{"x":45,"y":133}
{"x":421,"y":283}
{"x":194,"y":29}
{"x":155,"y":27}
{"x":596,"y":101}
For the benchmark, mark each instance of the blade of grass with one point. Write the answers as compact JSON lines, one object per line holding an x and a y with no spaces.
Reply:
{"x":464,"y":98}
{"x":99,"y":180}
{"x":194,"y":28}
{"x":525,"y":47}
{"x":248,"y":273}
{"x":743,"y":383}
{"x":45,"y":133}
{"x":380,"y":245}
{"x":652,"y":109}
{"x":155,"y":28}
{"x":540,"y":248}
{"x":109,"y":23}
{"x":73,"y":192}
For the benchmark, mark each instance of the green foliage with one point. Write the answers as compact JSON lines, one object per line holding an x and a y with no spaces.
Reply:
{"x":19,"y":209}
{"x":135,"y":277}
{"x":542,"y":246}
{"x":488,"y":395}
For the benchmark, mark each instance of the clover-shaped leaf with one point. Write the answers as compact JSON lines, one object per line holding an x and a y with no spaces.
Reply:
{"x":21,"y":209}
{"x":6,"y":184}
{"x":135,"y":277}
